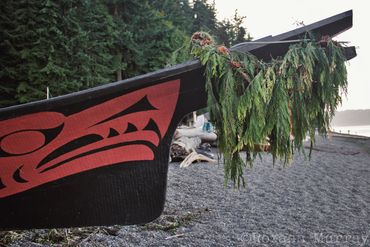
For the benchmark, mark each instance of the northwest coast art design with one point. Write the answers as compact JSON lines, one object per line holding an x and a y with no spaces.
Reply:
{"x":46,"y":146}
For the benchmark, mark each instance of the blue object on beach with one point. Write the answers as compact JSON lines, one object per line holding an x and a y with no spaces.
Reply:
{"x":207,"y":127}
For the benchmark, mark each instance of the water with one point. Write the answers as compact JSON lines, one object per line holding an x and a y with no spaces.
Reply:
{"x":362,"y":130}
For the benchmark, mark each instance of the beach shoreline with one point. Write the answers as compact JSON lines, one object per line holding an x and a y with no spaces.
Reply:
{"x":361,"y":130}
{"x":338,"y":134}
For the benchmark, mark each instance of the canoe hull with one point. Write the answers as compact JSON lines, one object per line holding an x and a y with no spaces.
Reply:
{"x":100,"y":156}
{"x":126,"y":187}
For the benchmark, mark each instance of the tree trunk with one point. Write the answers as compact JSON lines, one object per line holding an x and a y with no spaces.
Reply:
{"x":119,"y":75}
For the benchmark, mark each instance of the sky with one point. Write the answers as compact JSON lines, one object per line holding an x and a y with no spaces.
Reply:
{"x":274,"y":17}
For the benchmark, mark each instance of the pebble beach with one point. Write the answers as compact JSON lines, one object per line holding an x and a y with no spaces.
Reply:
{"x":324,"y":201}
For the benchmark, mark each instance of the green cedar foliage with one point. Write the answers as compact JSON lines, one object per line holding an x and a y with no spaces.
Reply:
{"x":258,"y":106}
{"x":64,"y":45}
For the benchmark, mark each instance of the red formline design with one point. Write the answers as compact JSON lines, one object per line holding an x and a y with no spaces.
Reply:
{"x":46,"y":146}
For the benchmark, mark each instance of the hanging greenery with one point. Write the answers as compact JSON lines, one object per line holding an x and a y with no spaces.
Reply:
{"x":258,"y":106}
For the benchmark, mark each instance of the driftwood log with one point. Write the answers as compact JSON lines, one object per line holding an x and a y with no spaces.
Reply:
{"x":192,"y":144}
{"x":209,"y":137}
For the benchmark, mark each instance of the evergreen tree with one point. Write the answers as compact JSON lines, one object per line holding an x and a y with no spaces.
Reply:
{"x":231,"y":32}
{"x":204,"y":17}
{"x":146,"y":39}
{"x":72,"y":45}
{"x":178,"y":12}
{"x":63,"y":45}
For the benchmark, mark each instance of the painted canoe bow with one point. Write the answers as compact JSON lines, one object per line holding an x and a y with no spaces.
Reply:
{"x":100,"y":156}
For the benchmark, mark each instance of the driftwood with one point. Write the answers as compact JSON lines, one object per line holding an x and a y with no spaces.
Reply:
{"x":194,"y":156}
{"x":190,"y":145}
{"x":209,"y":137}
{"x":183,"y":146}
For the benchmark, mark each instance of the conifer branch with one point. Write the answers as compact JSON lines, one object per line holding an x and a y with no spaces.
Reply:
{"x":258,"y":106}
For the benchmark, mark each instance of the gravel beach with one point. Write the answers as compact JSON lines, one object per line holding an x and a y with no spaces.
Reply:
{"x":324,"y":201}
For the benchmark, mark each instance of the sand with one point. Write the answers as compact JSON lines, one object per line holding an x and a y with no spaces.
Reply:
{"x":321,"y":202}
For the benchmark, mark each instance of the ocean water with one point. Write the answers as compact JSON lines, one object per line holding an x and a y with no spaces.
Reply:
{"x":363,"y":130}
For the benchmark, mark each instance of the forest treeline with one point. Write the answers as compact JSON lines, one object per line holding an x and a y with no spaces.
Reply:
{"x":73,"y":45}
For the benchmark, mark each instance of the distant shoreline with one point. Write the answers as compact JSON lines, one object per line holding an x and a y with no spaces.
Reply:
{"x":337,"y":134}
{"x":361,"y":130}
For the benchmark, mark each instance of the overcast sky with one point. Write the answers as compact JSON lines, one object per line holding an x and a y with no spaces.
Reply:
{"x":274,"y":17}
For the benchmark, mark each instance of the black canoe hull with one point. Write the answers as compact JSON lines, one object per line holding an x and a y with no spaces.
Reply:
{"x":100,"y":156}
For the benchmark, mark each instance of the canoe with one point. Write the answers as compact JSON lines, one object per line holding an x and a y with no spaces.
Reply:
{"x":100,"y":156}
